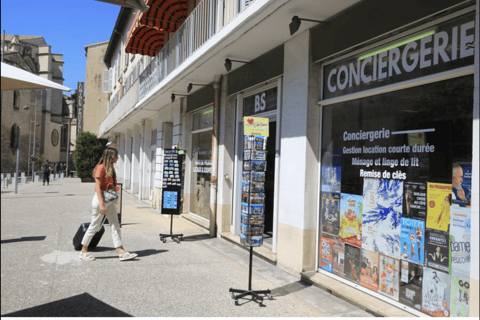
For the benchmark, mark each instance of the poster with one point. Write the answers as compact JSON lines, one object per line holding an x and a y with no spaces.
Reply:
{"x":460,"y":297}
{"x":436,"y":250}
{"x":338,"y":257}
{"x":462,"y":183}
{"x":460,"y":241}
{"x":438,"y":211}
{"x":436,"y":293}
{"x":413,"y":240}
{"x":326,"y":245}
{"x":352,"y":263}
{"x":389,"y":276}
{"x":331,"y":173}
{"x":369,"y":271}
{"x":351,"y":209}
{"x":331,"y":213}
{"x":382,"y":212}
{"x":255,"y":126}
{"x":414,"y":200}
{"x":411,"y":284}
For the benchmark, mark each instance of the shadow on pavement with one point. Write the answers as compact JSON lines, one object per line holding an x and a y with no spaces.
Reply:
{"x":290,"y":288}
{"x":41,"y":238}
{"x":197,"y":237}
{"x":83,"y":305}
{"x":141,"y":254}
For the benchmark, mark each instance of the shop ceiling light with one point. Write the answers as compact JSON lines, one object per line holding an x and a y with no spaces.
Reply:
{"x":296,"y":21}
{"x":190,"y":86}
{"x":228,"y":63}
{"x":398,"y":43}
{"x":173,"y":96}
{"x":208,"y":111}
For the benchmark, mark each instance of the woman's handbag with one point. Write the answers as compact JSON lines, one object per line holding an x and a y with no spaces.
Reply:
{"x":110,"y":195}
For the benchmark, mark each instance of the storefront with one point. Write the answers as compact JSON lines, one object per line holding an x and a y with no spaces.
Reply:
{"x":263,"y":102}
{"x":396,"y":167}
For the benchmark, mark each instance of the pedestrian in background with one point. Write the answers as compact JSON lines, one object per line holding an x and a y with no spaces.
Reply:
{"x":46,"y":172}
{"x":65,"y":169}
{"x":55,"y":168}
{"x":105,"y":179}
{"x":60,"y":167}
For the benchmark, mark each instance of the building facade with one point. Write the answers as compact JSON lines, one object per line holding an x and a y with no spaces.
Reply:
{"x":372,"y":154}
{"x":33,"y":54}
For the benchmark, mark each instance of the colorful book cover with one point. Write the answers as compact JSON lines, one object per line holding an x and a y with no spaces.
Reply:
{"x":331,"y":173}
{"x":438,"y":211}
{"x":331,"y":213}
{"x":437,"y":250}
{"x":460,"y":297}
{"x":413,"y":240}
{"x":389,"y":276}
{"x":351,"y":210}
{"x":411,"y":284}
{"x":369,"y":270}
{"x":382,"y":213}
{"x":352,"y":263}
{"x":338,"y":257}
{"x":460,"y":241}
{"x":462,"y":183}
{"x":436,"y":293}
{"x":326,"y":256}
{"x":414,"y":200}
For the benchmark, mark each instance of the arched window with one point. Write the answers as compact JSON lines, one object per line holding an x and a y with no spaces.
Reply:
{"x":16,"y":99}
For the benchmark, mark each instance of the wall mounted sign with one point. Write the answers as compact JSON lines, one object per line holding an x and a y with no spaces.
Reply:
{"x":261,"y":102}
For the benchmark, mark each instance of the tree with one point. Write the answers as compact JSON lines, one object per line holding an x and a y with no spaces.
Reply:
{"x":88,"y":151}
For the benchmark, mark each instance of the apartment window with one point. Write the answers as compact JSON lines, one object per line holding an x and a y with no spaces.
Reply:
{"x":16,"y":99}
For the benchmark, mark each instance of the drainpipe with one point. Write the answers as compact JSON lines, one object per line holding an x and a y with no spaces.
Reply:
{"x":142,"y":162}
{"x":215,"y":138}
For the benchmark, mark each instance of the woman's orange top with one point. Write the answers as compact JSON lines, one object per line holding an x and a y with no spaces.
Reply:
{"x":101,"y":174}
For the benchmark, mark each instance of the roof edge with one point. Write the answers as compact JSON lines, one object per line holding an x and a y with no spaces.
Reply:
{"x":115,"y":37}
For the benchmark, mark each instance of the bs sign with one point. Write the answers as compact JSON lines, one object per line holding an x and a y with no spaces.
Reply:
{"x":260,"y":102}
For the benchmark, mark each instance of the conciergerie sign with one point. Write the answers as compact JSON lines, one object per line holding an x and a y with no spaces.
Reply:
{"x":419,"y":54}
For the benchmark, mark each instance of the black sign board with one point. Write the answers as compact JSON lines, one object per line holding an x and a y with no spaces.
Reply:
{"x":261,"y":102}
{"x":172,"y":181}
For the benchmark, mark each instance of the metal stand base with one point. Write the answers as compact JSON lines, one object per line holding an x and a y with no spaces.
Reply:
{"x":256,"y":294}
{"x":177,"y":237}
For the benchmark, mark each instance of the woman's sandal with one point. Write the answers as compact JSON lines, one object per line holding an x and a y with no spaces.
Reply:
{"x":127,"y":256}
{"x":86,"y":256}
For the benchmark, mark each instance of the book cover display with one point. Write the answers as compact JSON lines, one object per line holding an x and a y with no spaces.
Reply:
{"x":415,"y":200}
{"x":330,"y":213}
{"x":437,"y":250}
{"x":460,"y":297}
{"x":352,"y":263}
{"x":382,"y":212}
{"x":326,"y":255}
{"x":460,"y":241}
{"x":411,"y":284}
{"x":369,"y":272}
{"x":351,"y":210}
{"x":462,"y":183}
{"x":438,"y":211}
{"x":436,"y":293}
{"x":413,"y":240}
{"x":331,"y":173}
{"x":253,"y":191}
{"x":389,"y":276}
{"x":338,"y":257}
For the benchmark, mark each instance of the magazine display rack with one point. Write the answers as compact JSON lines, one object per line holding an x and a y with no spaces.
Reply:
{"x":253,"y":206}
{"x":172,"y":189}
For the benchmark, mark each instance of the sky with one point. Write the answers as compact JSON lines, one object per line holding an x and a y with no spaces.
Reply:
{"x":66,"y":25}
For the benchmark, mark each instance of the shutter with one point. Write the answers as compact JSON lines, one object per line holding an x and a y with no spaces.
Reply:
{"x":111,"y":79}
{"x":106,"y":81}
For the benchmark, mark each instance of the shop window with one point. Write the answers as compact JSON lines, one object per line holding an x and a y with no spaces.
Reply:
{"x":394,"y":216}
{"x":202,"y":120}
{"x":201,"y":174}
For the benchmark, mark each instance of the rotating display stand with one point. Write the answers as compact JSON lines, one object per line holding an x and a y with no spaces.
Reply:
{"x":172,"y":189}
{"x":253,"y":206}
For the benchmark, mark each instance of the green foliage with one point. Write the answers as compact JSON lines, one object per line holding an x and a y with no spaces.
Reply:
{"x":40,"y":160}
{"x":88,"y":151}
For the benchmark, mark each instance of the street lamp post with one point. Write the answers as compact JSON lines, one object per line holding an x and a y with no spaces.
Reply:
{"x":30,"y":137}
{"x":68,"y":144}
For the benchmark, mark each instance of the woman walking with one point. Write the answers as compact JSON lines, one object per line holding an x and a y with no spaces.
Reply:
{"x":46,"y":172}
{"x":105,"y":179}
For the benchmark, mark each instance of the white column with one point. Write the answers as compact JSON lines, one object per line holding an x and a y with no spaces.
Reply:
{"x":128,"y":159}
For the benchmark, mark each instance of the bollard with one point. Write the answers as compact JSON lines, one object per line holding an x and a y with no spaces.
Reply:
{"x":35,"y":177}
{"x":23,"y":179}
{"x":8,"y":176}
{"x":61,"y":175}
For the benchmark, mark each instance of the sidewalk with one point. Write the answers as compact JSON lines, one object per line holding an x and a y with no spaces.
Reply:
{"x":43,"y":276}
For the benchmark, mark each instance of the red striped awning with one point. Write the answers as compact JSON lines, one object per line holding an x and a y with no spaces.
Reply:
{"x":147,"y":33}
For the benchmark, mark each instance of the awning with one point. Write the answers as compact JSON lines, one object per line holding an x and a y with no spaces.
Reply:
{"x":147,"y":33}
{"x":135,"y":4}
{"x":14,"y":78}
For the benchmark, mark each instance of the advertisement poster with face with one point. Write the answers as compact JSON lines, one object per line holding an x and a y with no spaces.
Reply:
{"x":351,"y":209}
{"x":460,"y":241}
{"x":411,"y":284}
{"x":331,"y":213}
{"x":331,"y":173}
{"x":438,"y":211}
{"x":460,"y":297}
{"x":369,"y":270}
{"x":389,"y":276}
{"x":413,"y":240}
{"x":382,"y":213}
{"x":352,"y":263}
{"x":436,"y":293}
{"x":436,"y":250}
{"x":462,"y":183}
{"x":338,"y":257}
{"x":414,"y":200}
{"x":326,"y":255}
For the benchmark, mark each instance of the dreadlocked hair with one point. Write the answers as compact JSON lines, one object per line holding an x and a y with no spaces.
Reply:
{"x":107,"y":160}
